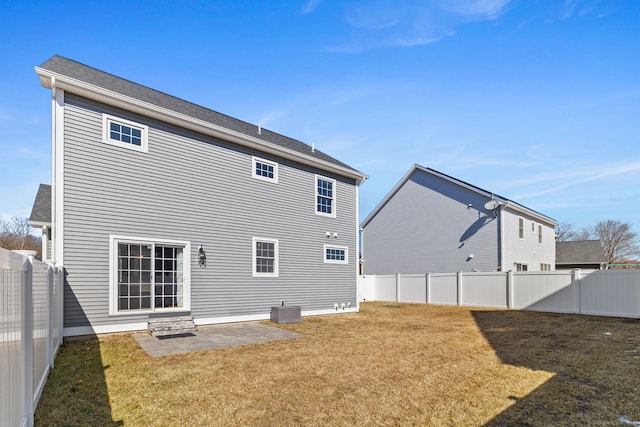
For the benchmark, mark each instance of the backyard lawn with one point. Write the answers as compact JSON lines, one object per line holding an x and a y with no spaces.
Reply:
{"x":390,"y":364}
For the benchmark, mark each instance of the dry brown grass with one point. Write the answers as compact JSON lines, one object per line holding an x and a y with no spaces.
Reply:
{"x":390,"y":364}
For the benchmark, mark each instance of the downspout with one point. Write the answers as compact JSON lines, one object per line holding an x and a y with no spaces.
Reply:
{"x":54,"y":231}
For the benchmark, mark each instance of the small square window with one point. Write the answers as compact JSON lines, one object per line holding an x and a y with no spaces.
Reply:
{"x":265,"y":170}
{"x":124,"y":133}
{"x":336,"y":254}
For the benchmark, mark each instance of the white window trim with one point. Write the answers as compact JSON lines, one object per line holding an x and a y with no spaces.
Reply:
{"x":334,"y":198}
{"x":276,"y":261}
{"x":524,"y":231}
{"x":144,"y":147}
{"x":540,"y":234}
{"x":255,"y":160}
{"x":333,"y":261}
{"x":113,"y":274}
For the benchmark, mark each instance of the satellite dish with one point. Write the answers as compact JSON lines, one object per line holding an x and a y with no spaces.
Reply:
{"x":492,"y":205}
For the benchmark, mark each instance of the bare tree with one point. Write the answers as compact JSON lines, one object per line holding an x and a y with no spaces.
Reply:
{"x":565,"y":232}
{"x":620,"y":244}
{"x":16,"y":234}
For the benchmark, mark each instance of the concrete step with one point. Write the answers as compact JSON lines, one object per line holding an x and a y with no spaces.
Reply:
{"x":172,"y":326}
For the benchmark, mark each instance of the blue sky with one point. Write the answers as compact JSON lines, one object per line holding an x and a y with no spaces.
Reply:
{"x":538,"y":101}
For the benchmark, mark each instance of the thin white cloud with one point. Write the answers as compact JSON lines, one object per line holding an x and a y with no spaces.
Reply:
{"x":310,"y":6}
{"x":476,"y":10}
{"x":552,"y":183}
{"x":403,"y":23}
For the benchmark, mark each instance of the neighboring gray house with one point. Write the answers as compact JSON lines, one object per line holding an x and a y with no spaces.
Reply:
{"x":580,"y":254}
{"x":145,"y":183}
{"x":433,"y":223}
{"x":40,"y":218}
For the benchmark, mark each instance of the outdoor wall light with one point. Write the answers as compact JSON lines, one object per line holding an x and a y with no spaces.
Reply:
{"x":202,"y":256}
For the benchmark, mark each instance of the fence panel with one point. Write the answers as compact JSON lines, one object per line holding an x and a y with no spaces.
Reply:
{"x":386,"y":288}
{"x":412,"y":288}
{"x":443,"y":288}
{"x":545,"y":291}
{"x":31,"y":308}
{"x":367,"y":288}
{"x":42,"y":274}
{"x":12,"y":361}
{"x":610,"y":293}
{"x":484,"y":290}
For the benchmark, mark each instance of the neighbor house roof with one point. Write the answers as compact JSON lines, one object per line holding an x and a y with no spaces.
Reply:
{"x":74,"y":77}
{"x":580,"y":252}
{"x":41,"y":211}
{"x":490,"y":196}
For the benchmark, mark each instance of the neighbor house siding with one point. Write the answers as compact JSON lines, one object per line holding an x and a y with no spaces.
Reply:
{"x":428,"y":226}
{"x":527,"y":250}
{"x":194,"y":188}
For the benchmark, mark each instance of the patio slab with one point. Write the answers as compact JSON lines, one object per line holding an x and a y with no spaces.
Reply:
{"x":211,"y":337}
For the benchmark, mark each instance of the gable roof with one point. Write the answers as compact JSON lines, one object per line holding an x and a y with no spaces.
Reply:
{"x":507,"y":203}
{"x":580,"y":252}
{"x":80,"y":79}
{"x":41,"y":211}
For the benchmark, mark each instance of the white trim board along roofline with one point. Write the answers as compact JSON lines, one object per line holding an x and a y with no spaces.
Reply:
{"x":58,"y":79}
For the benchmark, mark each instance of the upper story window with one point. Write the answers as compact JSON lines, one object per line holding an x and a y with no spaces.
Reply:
{"x":336,"y":254}
{"x":124,"y":133}
{"x":521,"y":228}
{"x":264,"y":169}
{"x":325,"y":196}
{"x":540,"y":234}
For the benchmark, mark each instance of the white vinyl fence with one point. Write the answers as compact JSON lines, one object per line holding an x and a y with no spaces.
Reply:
{"x":598,"y":292}
{"x":31,"y":304}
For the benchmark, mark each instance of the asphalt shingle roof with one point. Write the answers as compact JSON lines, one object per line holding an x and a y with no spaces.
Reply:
{"x":41,"y":211}
{"x":93,"y":76}
{"x":580,"y":252}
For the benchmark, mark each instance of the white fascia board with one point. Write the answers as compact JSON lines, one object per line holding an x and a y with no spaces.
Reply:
{"x":201,"y":126}
{"x":39,"y":224}
{"x":531,"y":214}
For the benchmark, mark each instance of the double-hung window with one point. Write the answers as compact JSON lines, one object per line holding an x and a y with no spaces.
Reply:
{"x":521,"y":228}
{"x":540,"y":234}
{"x":325,"y":196}
{"x":149,"y":275}
{"x":124,"y":133}
{"x":265,"y":170}
{"x":265,"y":257}
{"x":336,"y":254}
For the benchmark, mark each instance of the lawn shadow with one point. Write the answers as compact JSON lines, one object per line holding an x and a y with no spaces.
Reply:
{"x":594,"y":361}
{"x":76,"y":391}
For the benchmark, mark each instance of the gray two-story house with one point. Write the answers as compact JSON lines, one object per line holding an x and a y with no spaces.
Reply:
{"x":431,"y":222}
{"x":162,"y":207}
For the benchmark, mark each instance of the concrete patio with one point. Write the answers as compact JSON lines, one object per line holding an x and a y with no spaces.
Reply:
{"x":212,"y":337}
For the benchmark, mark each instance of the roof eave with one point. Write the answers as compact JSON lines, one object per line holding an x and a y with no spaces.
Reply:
{"x":50,"y":79}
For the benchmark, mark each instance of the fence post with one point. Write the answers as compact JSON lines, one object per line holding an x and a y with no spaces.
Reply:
{"x":27,"y":340}
{"x":575,"y":282}
{"x":428,"y":284}
{"x":510,"y":279}
{"x":397,"y":287}
{"x":459,"y":288}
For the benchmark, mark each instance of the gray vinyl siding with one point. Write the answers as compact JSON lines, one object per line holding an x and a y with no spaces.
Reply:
{"x":189,"y":187}
{"x":427,"y":226}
